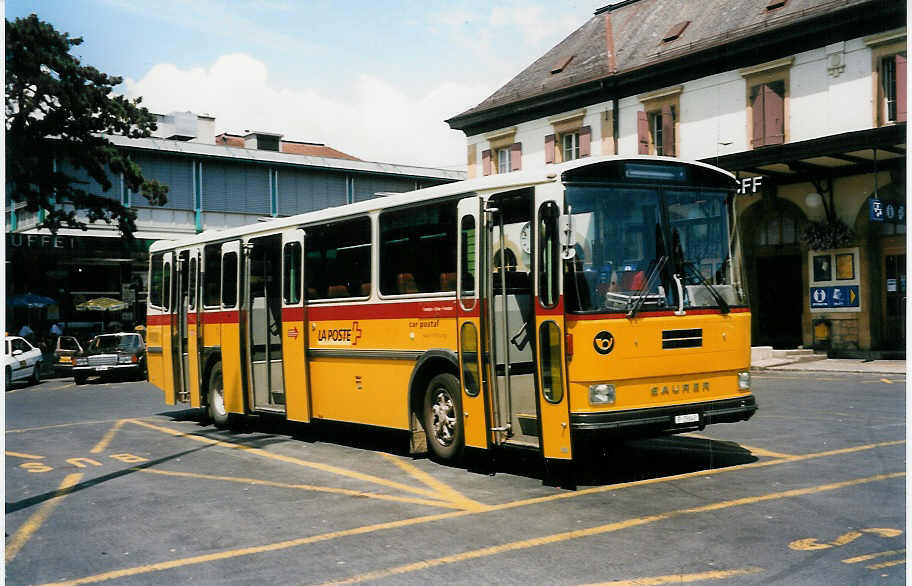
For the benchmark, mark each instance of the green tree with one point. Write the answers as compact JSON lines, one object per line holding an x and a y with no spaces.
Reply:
{"x":58,"y":112}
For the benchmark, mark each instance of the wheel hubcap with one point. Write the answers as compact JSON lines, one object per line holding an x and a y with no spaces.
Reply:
{"x":444,"y":423}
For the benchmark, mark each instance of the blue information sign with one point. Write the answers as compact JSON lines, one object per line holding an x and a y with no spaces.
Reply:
{"x":877,"y":210}
{"x":833,"y":297}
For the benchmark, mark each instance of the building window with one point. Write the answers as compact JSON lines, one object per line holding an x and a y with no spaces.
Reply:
{"x":893,"y":88}
{"x":778,"y":230}
{"x":503,"y":161}
{"x":657,"y":123}
{"x":767,"y":87}
{"x":570,"y":146}
{"x":767,"y":103}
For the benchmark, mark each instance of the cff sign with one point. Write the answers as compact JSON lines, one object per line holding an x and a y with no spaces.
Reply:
{"x":749,"y":185}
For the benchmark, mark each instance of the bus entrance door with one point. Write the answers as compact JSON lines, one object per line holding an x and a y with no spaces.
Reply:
{"x":475,"y":420}
{"x":194,"y":330}
{"x":294,"y":327}
{"x":179,"y":356}
{"x":264,"y":323}
{"x":550,"y":252}
{"x":510,"y":318}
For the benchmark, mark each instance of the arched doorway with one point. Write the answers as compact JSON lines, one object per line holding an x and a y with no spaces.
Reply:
{"x":770,"y":234}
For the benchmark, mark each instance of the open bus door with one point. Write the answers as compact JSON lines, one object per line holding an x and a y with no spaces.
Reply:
{"x":262,"y":334}
{"x":167,"y":326}
{"x":193,"y":328}
{"x":233,"y":352}
{"x":294,"y":327}
{"x":553,"y":401}
{"x":475,"y":419}
{"x":179,"y":327}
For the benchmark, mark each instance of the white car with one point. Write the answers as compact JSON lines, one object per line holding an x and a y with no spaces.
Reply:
{"x":21,"y":360}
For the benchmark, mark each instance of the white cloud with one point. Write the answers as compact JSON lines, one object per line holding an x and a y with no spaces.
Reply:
{"x":378,"y":122}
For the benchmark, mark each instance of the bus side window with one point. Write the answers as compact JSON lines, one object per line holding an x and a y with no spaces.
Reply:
{"x":291,"y":288}
{"x":155,"y":284}
{"x":418,"y":249}
{"x":166,"y":287}
{"x":212,"y":275}
{"x":191,"y":286}
{"x":229,"y":280}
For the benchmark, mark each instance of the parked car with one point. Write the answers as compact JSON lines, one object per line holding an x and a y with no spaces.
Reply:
{"x":111,"y":354}
{"x":21,"y":360}
{"x":67,"y":347}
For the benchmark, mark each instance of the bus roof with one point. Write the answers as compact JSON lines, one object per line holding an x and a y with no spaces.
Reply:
{"x":516,"y":179}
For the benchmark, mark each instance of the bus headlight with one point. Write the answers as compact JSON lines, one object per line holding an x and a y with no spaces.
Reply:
{"x":744,"y":381}
{"x":601,"y":394}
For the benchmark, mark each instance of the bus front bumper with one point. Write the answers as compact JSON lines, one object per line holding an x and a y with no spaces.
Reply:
{"x":664,"y":420}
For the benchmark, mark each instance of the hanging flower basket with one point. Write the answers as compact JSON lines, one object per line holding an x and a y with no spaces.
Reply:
{"x":826,"y":235}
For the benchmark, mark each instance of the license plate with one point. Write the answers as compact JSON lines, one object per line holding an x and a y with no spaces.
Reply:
{"x":689,"y":418}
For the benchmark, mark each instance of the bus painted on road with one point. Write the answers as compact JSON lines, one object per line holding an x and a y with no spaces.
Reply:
{"x":550,"y":309}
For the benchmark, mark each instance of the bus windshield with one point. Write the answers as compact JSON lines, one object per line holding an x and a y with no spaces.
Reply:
{"x":649,"y":248}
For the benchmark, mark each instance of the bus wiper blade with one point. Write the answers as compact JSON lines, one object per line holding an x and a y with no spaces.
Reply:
{"x":723,"y":305}
{"x":640,"y":296}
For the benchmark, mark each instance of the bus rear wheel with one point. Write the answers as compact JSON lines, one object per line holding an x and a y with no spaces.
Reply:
{"x":217,"y":411}
{"x":443,"y":417}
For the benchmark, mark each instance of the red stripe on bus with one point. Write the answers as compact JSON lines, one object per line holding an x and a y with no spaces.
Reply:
{"x":292,"y":314}
{"x":425,"y":309}
{"x":162,"y":319}
{"x":231,"y":316}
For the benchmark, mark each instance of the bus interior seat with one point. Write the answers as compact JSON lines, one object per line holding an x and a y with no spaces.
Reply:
{"x":447,"y":281}
{"x":365,"y":289}
{"x":631,"y":280}
{"x":312,"y":293}
{"x":406,"y":283}
{"x":336,"y":291}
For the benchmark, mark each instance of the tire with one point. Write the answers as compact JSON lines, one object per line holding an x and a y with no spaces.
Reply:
{"x":216,"y":398}
{"x":36,"y":374}
{"x":79,"y":379}
{"x":443,"y":418}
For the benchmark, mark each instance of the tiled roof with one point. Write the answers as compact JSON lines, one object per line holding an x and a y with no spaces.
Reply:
{"x":293,"y":147}
{"x":629,"y":36}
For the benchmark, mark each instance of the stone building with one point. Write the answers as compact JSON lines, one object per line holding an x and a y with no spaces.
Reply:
{"x":804,"y":100}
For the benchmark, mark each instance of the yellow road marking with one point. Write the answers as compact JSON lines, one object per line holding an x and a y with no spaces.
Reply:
{"x":59,"y":425}
{"x":345,"y":491}
{"x":33,"y":523}
{"x":682,"y":578}
{"x":292,"y":460}
{"x":886,"y":380}
{"x":602,"y":529}
{"x":446,"y":491}
{"x":872,"y":556}
{"x":106,"y":440}
{"x":21,"y":455}
{"x":886,"y":564}
{"x":171,"y":564}
{"x":751,"y":449}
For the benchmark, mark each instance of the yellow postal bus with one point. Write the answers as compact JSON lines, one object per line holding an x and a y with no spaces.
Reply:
{"x":549,"y":309}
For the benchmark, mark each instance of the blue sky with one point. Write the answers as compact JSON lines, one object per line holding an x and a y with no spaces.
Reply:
{"x":374,"y":79}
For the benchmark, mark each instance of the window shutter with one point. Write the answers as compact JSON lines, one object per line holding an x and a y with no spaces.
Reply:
{"x":642,"y":133}
{"x":900,"y":88}
{"x":486,"y":162}
{"x":757,"y":116}
{"x":549,"y":148}
{"x":773,"y":116}
{"x":516,"y":156}
{"x":585,"y":141}
{"x":668,"y":132}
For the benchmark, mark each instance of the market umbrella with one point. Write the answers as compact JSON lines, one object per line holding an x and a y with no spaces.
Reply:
{"x":101,"y":304}
{"x":29,"y":300}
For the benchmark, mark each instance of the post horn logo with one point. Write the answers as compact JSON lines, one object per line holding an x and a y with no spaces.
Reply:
{"x":603,"y":342}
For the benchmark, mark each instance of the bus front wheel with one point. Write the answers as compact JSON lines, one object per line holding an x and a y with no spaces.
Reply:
{"x":443,"y":417}
{"x":217,"y":412}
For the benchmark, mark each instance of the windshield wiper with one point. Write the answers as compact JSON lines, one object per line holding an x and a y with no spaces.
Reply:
{"x":723,"y":305}
{"x":641,"y":295}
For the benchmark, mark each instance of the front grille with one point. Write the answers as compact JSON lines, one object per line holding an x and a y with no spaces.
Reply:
{"x":104,"y":360}
{"x":692,"y":338}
